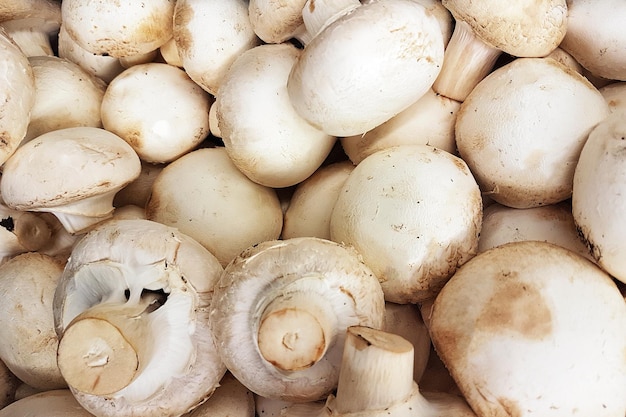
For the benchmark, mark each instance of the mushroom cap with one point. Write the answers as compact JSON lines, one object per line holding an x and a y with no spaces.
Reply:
{"x":615,"y":96}
{"x":367,"y":66}
{"x":54,"y":403}
{"x":121,"y":258}
{"x":316,"y":268}
{"x":158,"y":110}
{"x":598,"y":201}
{"x":65,"y":166}
{"x":522,"y":128}
{"x":17,"y":96}
{"x":275,"y":22}
{"x":118,"y":28}
{"x":524,"y":28}
{"x":263,"y":134}
{"x":530,"y":328}
{"x":414,"y":213}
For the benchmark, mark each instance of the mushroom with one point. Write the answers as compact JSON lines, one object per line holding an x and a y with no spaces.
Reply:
{"x":29,"y":343}
{"x":311,"y":205}
{"x":376,"y":380}
{"x":32,"y":24}
{"x":20,"y":232}
{"x":615,"y":96}
{"x":280,"y":312}
{"x":485,"y":29}
{"x":65,"y":96}
{"x":522,"y":128}
{"x":8,"y":385}
{"x":598,"y":198}
{"x":132,"y":314}
{"x":530,"y":328}
{"x":430,"y":120}
{"x":72,"y":172}
{"x":328,"y":85}
{"x":53,"y":403}
{"x":229,"y":211}
{"x":138,"y":191}
{"x":158,"y":110}
{"x":17,"y":97}
{"x":118,"y":29}
{"x":276,"y":22}
{"x":553,"y":223}
{"x":223,"y":24}
{"x":169,"y":53}
{"x":594,"y":37}
{"x":414,"y":213}
{"x":263,"y":135}
{"x":230,"y":399}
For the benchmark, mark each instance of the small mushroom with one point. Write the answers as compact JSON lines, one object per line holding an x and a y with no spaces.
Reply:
{"x":276,"y":22}
{"x":263,"y":134}
{"x":53,"y":403}
{"x":485,"y":29}
{"x":132,"y":314}
{"x":530,"y":328}
{"x":32,"y":24}
{"x":72,"y":172}
{"x":158,"y":110}
{"x":333,"y":85}
{"x":280,"y":312}
{"x":615,"y":96}
{"x":20,"y":232}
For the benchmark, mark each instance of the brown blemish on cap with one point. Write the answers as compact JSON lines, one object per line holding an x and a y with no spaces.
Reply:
{"x":182,"y":36}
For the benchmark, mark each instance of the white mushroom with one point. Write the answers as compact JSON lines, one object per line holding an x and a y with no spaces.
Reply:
{"x":65,"y":96}
{"x":72,"y":172}
{"x":598,"y":198}
{"x":280,"y":313}
{"x":169,"y":53}
{"x":29,"y":342}
{"x":276,"y":22}
{"x":230,"y":399}
{"x":158,"y":110}
{"x":17,"y":97}
{"x":414,"y":213}
{"x":615,"y":96}
{"x":21,"y":231}
{"x":522,"y":128}
{"x":334,"y":85}
{"x":32,"y":24}
{"x":118,"y":28}
{"x":263,"y":134}
{"x":223,"y":24}
{"x":530,"y":328}
{"x":138,"y":191}
{"x":132,"y":314}
{"x":229,"y":211}
{"x":54,"y":403}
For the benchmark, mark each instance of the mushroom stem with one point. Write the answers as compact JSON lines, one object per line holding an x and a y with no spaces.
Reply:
{"x":376,"y":371}
{"x":103,"y":348}
{"x":321,"y":13}
{"x":467,"y":60}
{"x":295,"y":331}
{"x":32,"y":41}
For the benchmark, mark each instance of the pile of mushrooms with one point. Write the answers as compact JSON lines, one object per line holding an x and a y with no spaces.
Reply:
{"x":329,"y":208}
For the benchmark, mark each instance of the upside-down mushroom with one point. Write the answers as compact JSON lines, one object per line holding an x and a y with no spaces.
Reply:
{"x":280,"y":312}
{"x":132,"y":314}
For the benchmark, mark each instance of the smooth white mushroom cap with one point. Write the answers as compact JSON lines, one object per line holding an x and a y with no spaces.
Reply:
{"x":598,"y":199}
{"x":367,"y":66}
{"x":66,"y":95}
{"x":118,"y":28}
{"x":522,"y":128}
{"x":530,"y":328}
{"x":263,"y":134}
{"x":414,"y":213}
{"x":54,"y":403}
{"x":158,"y":110}
{"x":276,"y":22}
{"x":223,"y":24}
{"x":615,"y":96}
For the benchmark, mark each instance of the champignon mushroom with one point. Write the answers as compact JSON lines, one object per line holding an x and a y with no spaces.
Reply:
{"x":430,"y":121}
{"x":32,"y":24}
{"x":615,"y":96}
{"x":485,"y":29}
{"x":530,"y":328}
{"x":280,"y":312}
{"x":263,"y":135}
{"x":414,"y":213}
{"x":118,"y":29}
{"x":276,"y":22}
{"x":29,"y":343}
{"x":138,"y":191}
{"x":65,"y":96}
{"x":522,"y":128}
{"x":333,"y":85}
{"x":132,"y":314}
{"x":54,"y":403}
{"x":158,"y":110}
{"x":230,"y":399}
{"x":17,"y":97}
{"x":229,"y":211}
{"x":598,"y":198}
{"x":20,"y":232}
{"x":223,"y":24}
{"x":72,"y":172}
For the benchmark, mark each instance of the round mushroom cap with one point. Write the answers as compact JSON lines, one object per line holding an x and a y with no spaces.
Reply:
{"x":65,"y":166}
{"x":523,"y":28}
{"x":54,"y":403}
{"x":275,"y":22}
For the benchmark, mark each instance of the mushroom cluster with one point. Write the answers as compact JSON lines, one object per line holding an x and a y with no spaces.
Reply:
{"x":328,"y":208}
